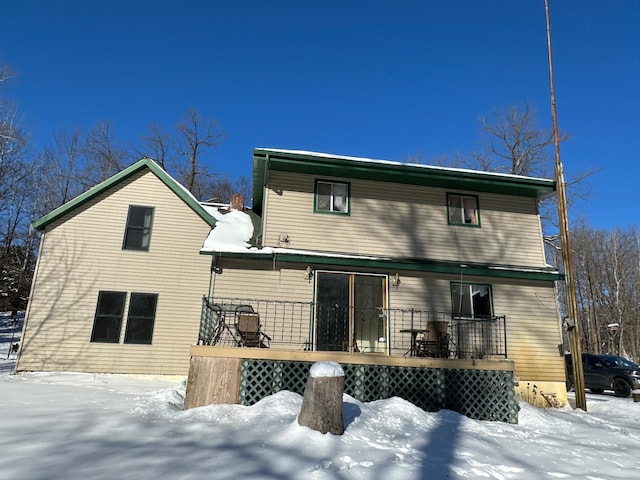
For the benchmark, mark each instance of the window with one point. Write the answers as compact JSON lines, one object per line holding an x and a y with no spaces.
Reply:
{"x":471,"y":300}
{"x":142,"y":313}
{"x":332,"y":197}
{"x":463,"y":209}
{"x":138,"y":232}
{"x":108,"y":319}
{"x":107,"y":323}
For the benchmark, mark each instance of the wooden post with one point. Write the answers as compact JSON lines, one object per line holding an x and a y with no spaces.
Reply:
{"x":565,"y":241}
{"x":322,"y":402}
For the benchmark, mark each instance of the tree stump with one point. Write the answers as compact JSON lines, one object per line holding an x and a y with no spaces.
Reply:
{"x":322,"y":402}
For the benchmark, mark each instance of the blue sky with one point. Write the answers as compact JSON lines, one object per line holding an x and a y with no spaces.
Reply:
{"x":375,"y":79}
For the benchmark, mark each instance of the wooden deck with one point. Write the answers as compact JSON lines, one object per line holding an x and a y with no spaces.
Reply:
{"x":215,"y":374}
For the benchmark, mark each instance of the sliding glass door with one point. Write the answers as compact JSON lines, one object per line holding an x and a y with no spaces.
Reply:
{"x":350,"y":312}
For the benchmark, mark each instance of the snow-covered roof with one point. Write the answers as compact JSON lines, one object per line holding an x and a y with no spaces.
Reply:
{"x":349,"y":168}
{"x":232,"y":232}
{"x":310,"y":155}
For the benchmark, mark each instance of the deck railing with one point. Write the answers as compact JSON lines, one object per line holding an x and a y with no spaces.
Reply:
{"x":312,"y":326}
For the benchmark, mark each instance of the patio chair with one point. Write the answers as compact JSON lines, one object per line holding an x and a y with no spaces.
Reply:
{"x":435,"y":342}
{"x":248,"y":329}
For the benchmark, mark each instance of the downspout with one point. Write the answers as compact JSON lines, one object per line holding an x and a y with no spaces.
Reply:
{"x":211,"y":279}
{"x":265,"y":178}
{"x":213,"y":275}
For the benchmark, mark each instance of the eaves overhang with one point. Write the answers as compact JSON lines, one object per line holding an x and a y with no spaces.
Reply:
{"x":326,"y":165}
{"x":146,"y":163}
{"x":315,"y":259}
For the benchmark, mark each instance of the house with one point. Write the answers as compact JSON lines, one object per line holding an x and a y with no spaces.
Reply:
{"x":425,"y":282}
{"x":393,"y":265}
{"x":119,"y":278}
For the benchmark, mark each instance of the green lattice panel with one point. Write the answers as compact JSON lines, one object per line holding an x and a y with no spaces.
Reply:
{"x":479,"y":394}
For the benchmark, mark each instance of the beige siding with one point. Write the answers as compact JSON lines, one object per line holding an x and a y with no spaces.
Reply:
{"x":533,"y":329}
{"x":264,"y":280}
{"x":403,"y":221}
{"x":531,"y":320}
{"x":82,"y":254}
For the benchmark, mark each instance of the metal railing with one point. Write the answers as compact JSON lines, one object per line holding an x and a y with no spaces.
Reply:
{"x":396,"y":331}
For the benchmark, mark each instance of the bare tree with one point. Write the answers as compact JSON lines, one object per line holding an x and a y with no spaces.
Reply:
{"x":196,"y":136}
{"x":187,"y":153}
{"x":16,"y":200}
{"x":64,"y":173}
{"x":514,"y":143}
{"x":105,"y":155}
{"x":607,"y":271}
{"x":159,"y":146}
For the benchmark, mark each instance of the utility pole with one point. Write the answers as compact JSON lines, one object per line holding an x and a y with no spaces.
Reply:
{"x":573,"y":324}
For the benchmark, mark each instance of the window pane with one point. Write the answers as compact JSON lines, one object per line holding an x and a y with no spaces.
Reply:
{"x":481,"y":301}
{"x":462,"y":301}
{"x":455,"y":211}
{"x":108,"y":318}
{"x":138,"y":217}
{"x":332,"y":327}
{"x":323,"y":196}
{"x":134,"y":239}
{"x":340,"y":197}
{"x":141,"y":318}
{"x":138,"y":230}
{"x":469,"y":208}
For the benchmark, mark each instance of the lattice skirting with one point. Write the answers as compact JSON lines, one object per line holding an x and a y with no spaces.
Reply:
{"x":478,"y":394}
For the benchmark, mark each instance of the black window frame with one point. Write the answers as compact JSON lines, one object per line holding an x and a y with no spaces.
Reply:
{"x":134,"y":234}
{"x":136,"y":320}
{"x":103,"y":316}
{"x":331,"y":210}
{"x":462,"y":222}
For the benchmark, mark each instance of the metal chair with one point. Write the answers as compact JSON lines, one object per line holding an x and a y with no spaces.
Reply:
{"x":248,"y":329}
{"x":435,"y":342}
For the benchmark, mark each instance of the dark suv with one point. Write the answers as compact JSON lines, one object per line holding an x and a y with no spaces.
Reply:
{"x":606,"y":372}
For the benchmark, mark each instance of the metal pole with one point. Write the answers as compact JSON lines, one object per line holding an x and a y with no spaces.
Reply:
{"x":565,"y":243}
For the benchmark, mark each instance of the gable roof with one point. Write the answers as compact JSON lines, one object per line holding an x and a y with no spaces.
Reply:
{"x":145,"y":163}
{"x":324,"y":164}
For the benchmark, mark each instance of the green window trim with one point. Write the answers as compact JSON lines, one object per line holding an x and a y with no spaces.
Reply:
{"x":471,"y":300}
{"x":332,"y":197}
{"x":463,"y":209}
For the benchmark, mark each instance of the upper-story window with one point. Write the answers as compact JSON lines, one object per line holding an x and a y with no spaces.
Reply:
{"x":471,"y":300}
{"x":463,"y":209}
{"x":138,"y":231}
{"x":332,"y":197}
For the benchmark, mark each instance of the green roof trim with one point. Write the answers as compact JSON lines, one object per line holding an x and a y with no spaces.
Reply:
{"x":164,"y":177}
{"x":320,"y":164}
{"x":403,"y":264}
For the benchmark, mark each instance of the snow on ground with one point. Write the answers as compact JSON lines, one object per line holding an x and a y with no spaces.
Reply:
{"x":89,"y":426}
